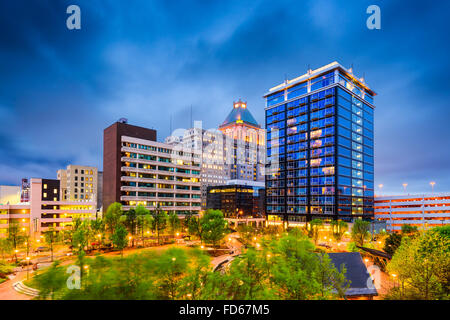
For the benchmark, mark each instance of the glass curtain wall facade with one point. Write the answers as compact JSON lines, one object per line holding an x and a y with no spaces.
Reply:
{"x":320,"y":148}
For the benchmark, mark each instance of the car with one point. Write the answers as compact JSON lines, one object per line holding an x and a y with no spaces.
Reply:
{"x":42,"y":249}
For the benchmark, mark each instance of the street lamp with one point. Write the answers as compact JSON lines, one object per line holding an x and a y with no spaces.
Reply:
{"x":28,"y":267}
{"x":381,"y":187}
{"x":404,"y":186}
{"x":432,"y":183}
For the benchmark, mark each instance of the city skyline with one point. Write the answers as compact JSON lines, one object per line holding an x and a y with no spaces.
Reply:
{"x":62,"y":88}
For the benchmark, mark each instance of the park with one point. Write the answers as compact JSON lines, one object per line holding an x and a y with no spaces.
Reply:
{"x":140,"y":254}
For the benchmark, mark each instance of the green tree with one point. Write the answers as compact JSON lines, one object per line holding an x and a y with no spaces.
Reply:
{"x":131,"y":224}
{"x":15,"y":236}
{"x":360,"y":231}
{"x":213,"y":226}
{"x":112,"y":217}
{"x":80,"y":242}
{"x":142,"y":221}
{"x":196,"y":228}
{"x":119,"y":238}
{"x":339,"y":227}
{"x":171,"y":267}
{"x":197,"y":274}
{"x":392,"y":242}
{"x":422,"y":266}
{"x":315,"y":226}
{"x":159,"y":220}
{"x":409,"y":230}
{"x":174,"y":223}
{"x":50,"y":281}
{"x":330,"y":278}
{"x":51,"y":237}
{"x":5,"y":247}
{"x":98,"y":229}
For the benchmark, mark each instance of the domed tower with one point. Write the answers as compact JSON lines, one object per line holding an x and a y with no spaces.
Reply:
{"x":245,"y":158}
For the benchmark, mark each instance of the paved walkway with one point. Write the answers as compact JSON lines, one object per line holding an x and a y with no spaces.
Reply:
{"x":7,"y":292}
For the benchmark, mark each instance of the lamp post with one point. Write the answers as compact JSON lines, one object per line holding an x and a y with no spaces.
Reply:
{"x":381,"y":187}
{"x":404,"y":186}
{"x":432,"y":183}
{"x":28,"y":267}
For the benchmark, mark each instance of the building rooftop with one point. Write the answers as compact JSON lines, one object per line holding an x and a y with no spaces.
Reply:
{"x":240,"y":114}
{"x":357,"y":273}
{"x":314,"y":73}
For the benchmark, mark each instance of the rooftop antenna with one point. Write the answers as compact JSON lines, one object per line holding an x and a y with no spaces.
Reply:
{"x":191,"y":117}
{"x":170,"y":123}
{"x":309,"y":69}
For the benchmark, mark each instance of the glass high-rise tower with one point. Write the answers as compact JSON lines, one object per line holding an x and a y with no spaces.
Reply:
{"x":320,"y":147}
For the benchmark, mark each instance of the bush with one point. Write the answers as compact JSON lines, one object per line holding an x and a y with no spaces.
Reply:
{"x":5,"y":269}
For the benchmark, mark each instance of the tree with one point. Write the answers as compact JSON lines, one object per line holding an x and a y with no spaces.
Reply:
{"x":331,"y":278}
{"x":119,"y":238}
{"x":50,"y":281}
{"x":174,"y":223}
{"x":315,"y":225}
{"x":360,"y":231}
{"x":80,"y":242}
{"x":171,"y":267}
{"x":131,"y":223}
{"x":214,"y":226}
{"x":5,"y":247}
{"x":15,"y":236}
{"x":392,"y":242}
{"x":196,"y":228}
{"x":112,"y":217}
{"x":246,"y":233}
{"x":339,"y":228}
{"x":409,"y":230}
{"x":422,"y":266}
{"x":98,"y":229}
{"x":142,"y":220}
{"x":51,"y":237}
{"x":159,"y":220}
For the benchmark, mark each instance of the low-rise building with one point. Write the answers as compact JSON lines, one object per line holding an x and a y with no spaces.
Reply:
{"x":237,"y":199}
{"x":44,"y":210}
{"x":421,"y":210}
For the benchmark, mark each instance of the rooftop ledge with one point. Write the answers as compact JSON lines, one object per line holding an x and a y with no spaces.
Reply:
{"x":314,"y":73}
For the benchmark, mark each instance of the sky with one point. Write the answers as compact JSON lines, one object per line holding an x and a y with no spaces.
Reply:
{"x":149,"y":61}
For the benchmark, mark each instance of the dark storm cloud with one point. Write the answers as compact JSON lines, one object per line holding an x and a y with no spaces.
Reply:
{"x":150,"y":61}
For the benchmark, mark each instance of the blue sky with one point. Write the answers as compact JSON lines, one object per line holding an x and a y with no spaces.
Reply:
{"x":145,"y":60}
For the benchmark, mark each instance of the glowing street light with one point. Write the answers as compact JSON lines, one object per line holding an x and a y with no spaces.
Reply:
{"x":404,"y":186}
{"x":381,"y":187}
{"x":28,"y":267}
{"x":432,"y":183}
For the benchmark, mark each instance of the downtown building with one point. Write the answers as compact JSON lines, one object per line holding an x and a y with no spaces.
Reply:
{"x":138,"y":170}
{"x":320,"y":147}
{"x":423,"y":211}
{"x":235,"y":151}
{"x":45,"y":210}
{"x":80,"y":183}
